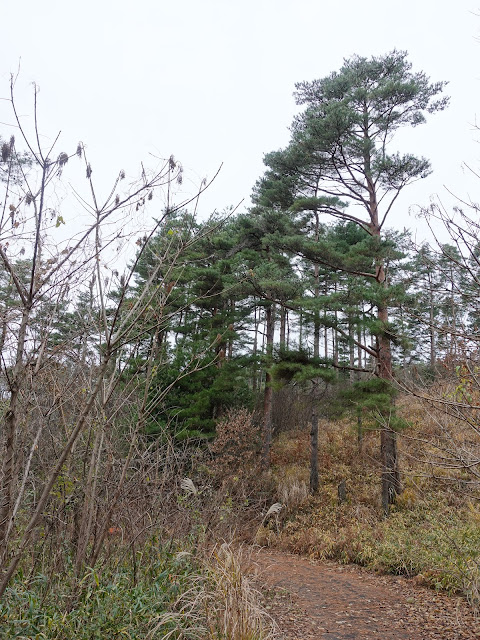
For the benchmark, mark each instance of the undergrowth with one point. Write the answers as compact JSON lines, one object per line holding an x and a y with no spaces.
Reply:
{"x":169,"y":594}
{"x":432,"y":534}
{"x":179,"y":583}
{"x":183,"y":584}
{"x":114,"y":601}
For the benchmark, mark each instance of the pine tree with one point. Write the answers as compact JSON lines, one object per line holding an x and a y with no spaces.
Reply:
{"x":273,"y":283}
{"x":339,"y":154}
{"x":201,"y":359}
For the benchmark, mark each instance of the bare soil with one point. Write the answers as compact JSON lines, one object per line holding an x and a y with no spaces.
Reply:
{"x":312,"y":600}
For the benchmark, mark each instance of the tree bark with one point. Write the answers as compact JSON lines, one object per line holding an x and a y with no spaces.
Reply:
{"x":256,"y":323}
{"x":268,"y":393}
{"x":314,"y":483}
{"x":351,"y":348}
{"x":390,"y":474}
{"x":10,"y":426}
{"x":391,"y":485}
{"x":283,"y":327}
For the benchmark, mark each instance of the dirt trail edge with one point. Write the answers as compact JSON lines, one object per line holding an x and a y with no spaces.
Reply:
{"x":311,"y":600}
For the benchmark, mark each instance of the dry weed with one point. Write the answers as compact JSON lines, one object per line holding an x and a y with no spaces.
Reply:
{"x":236,"y":444}
{"x":222,"y":603}
{"x":293,"y":487}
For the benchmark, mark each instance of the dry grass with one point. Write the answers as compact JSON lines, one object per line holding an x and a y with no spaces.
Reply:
{"x":293,"y":486}
{"x":222,"y":603}
{"x":434,"y":529}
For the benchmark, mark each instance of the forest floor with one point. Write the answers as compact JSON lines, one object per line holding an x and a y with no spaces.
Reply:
{"x":324,"y":600}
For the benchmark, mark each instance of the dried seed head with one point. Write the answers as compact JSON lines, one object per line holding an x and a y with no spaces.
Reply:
{"x":122,"y":175}
{"x":6,"y":150}
{"x":89,"y":170}
{"x":172,"y":163}
{"x":188,"y":486}
{"x":62,"y":159}
{"x":274,"y":509}
{"x":79,"y":149}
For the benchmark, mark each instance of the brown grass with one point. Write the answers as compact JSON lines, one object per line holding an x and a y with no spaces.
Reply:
{"x":434,"y":529}
{"x":221,"y":604}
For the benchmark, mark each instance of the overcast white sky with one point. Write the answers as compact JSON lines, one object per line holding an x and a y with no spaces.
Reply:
{"x":211,"y":81}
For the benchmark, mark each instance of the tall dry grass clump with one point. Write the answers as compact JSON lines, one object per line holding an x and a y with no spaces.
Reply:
{"x":222,"y":603}
{"x":293,"y":486}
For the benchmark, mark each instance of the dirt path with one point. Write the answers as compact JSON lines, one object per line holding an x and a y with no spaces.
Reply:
{"x":333,"y":602}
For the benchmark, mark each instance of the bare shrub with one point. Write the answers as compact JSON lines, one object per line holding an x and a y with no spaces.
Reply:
{"x":236,"y":444}
{"x":445,"y":439}
{"x":292,"y":409}
{"x":75,"y":404}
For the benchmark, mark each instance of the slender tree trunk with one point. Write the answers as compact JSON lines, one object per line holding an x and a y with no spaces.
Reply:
{"x":283,"y":327}
{"x":360,"y":351}
{"x":300,"y":329}
{"x":433,"y":346}
{"x":314,"y":483}
{"x":268,"y":393}
{"x":85,"y":524}
{"x":316,"y":316}
{"x":366,"y":357}
{"x":231,"y":327}
{"x":335,"y":346}
{"x":359,"y":434}
{"x":10,"y":426}
{"x":316,"y":354}
{"x":351,"y":348}
{"x":288,"y":330}
{"x":453,"y":311}
{"x":325,"y":332}
{"x":335,"y":335}
{"x":256,"y":322}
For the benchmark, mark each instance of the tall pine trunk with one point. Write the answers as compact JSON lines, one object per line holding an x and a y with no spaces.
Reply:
{"x":391,"y":485}
{"x":316,"y":354}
